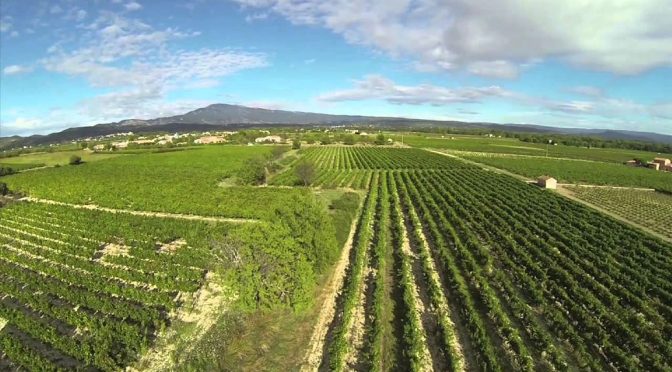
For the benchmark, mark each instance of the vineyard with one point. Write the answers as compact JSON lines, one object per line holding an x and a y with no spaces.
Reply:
{"x":175,"y":182}
{"x":80,"y":298}
{"x":582,"y":172}
{"x":646,"y":208}
{"x":353,"y":167}
{"x":453,"y":267}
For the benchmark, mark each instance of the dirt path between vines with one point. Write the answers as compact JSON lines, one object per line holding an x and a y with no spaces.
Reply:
{"x":314,"y":356}
{"x":141,"y":213}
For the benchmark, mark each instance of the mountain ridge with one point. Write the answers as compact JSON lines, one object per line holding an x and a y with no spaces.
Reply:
{"x":221,"y":116}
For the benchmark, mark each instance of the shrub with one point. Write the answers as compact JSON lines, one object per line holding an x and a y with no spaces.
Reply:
{"x":75,"y":160}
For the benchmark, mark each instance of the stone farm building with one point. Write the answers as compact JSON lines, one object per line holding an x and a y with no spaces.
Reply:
{"x":268,"y":139}
{"x":547,"y":182}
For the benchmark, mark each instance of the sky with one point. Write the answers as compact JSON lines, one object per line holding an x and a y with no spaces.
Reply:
{"x":582,"y":64}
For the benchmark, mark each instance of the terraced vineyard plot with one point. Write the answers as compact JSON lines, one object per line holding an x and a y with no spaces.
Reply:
{"x":465,"y":269}
{"x":75,"y":297}
{"x":646,"y":208}
{"x":340,"y":166}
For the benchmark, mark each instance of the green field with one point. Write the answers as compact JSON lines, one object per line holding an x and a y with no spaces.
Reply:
{"x":576,"y":171}
{"x":652,"y":210}
{"x":514,"y":146}
{"x":179,"y":182}
{"x":57,"y":158}
{"x":450,"y":267}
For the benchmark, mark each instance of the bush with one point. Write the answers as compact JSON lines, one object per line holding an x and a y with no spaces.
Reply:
{"x":75,"y":160}
{"x":4,"y":190}
{"x":296,"y":145}
{"x":349,"y":140}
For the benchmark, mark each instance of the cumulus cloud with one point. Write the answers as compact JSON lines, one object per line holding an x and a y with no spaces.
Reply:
{"x":138,"y":63}
{"x":594,"y":108}
{"x":496,"y":38}
{"x":16,"y":69}
{"x":379,"y":87}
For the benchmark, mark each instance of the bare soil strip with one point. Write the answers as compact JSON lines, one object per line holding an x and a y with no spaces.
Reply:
{"x":443,"y":311}
{"x":141,"y":213}
{"x":315,"y":351}
{"x":200,"y":312}
{"x":421,"y":311}
{"x":3,"y":323}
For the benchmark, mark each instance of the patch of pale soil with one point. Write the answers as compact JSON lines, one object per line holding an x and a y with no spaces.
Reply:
{"x":3,"y":323}
{"x":141,"y":213}
{"x":112,"y":249}
{"x":442,"y":309}
{"x":172,"y":247}
{"x":199,"y":312}
{"x":314,"y":356}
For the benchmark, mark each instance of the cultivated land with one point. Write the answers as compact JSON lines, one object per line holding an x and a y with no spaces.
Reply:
{"x":650,"y":209}
{"x":458,"y":267}
{"x":146,"y":261}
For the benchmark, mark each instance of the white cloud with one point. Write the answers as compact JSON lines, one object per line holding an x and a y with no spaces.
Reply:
{"x":309,"y":61}
{"x":137,"y":62}
{"x":16,"y":69}
{"x":14,"y":34}
{"x":379,"y":87}
{"x":255,"y":17}
{"x":495,"y":38}
{"x":80,"y":15}
{"x":132,"y":6}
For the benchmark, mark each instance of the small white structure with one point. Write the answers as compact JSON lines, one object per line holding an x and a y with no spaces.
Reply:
{"x":268,"y":139}
{"x":547,"y":182}
{"x":210,"y":139}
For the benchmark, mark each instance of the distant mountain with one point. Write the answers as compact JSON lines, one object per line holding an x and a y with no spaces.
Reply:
{"x":224,"y":116}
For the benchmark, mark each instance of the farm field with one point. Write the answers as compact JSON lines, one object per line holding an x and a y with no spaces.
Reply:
{"x":344,"y":166}
{"x":77,"y":297}
{"x":576,"y":171}
{"x":646,"y":208}
{"x":515,"y":146}
{"x":176,"y":182}
{"x":447,"y":267}
{"x":58,"y":157}
{"x":459,"y":268}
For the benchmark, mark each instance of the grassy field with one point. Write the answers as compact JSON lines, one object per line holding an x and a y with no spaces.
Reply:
{"x":57,"y":158}
{"x":514,"y":146}
{"x":649,"y":209}
{"x":584,"y":172}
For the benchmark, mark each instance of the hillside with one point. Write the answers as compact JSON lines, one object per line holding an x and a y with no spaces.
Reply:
{"x":220,"y":116}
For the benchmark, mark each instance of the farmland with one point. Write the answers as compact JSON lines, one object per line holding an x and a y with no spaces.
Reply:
{"x":459,"y":268}
{"x":578,"y":171}
{"x":178,"y":182}
{"x":646,"y":208}
{"x":516,"y":147}
{"x":77,"y":297}
{"x":447,"y":267}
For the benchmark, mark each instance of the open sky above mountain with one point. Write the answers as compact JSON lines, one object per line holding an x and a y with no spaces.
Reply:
{"x":598,"y":64}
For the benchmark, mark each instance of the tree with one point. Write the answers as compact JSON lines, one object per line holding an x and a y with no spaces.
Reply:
{"x":296,"y":144}
{"x":4,"y":190}
{"x":380,"y":139}
{"x":326,"y":140}
{"x":305,"y":171}
{"x":277,"y":151}
{"x":349,"y":140}
{"x":75,"y":160}
{"x":253,"y":171}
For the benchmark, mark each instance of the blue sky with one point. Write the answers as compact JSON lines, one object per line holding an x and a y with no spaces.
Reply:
{"x":598,"y":64}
